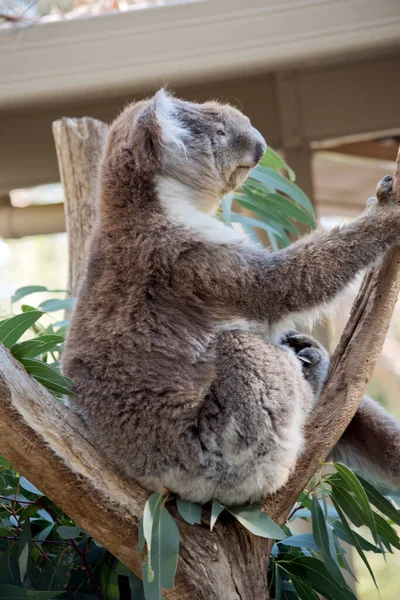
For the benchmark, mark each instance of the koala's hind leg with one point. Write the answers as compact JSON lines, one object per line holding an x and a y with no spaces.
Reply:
{"x":251,"y":421}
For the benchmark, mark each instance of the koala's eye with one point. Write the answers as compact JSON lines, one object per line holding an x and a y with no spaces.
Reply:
{"x":220,"y":132}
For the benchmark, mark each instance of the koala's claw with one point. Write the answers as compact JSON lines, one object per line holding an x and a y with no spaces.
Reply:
{"x":299,"y":341}
{"x":310,"y":356}
{"x":384,"y":189}
{"x":313,"y":357}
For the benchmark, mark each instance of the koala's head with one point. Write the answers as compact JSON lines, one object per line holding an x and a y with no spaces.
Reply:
{"x":209,"y":148}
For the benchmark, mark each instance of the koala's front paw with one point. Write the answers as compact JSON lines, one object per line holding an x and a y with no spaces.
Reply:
{"x":313,"y":356}
{"x":384,"y":189}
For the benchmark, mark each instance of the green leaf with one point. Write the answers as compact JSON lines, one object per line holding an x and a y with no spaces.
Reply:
{"x":48,"y":375}
{"x":150,"y":513}
{"x":189,"y":511}
{"x":141,"y":539}
{"x":216,"y":510}
{"x":67,"y":532}
{"x":381,"y":503}
{"x":13,"y":328}
{"x":314,"y":571}
{"x":44,"y":533}
{"x":301,"y":540}
{"x":303,"y":589}
{"x":27,"y":485}
{"x":256,"y":521}
{"x":321,"y":538}
{"x":25,"y":544}
{"x":37,"y":346}
{"x":165,"y":548}
{"x":268,"y":213}
{"x":354,"y":541}
{"x":357,"y":489}
{"x":4,"y":464}
{"x":280,"y":203}
{"x":56,"y":574}
{"x":274,"y":161}
{"x":348,"y":504}
{"x":31,"y":289}
{"x":9,"y":568}
{"x":26,"y":291}
{"x":136,"y":586}
{"x":277,"y":595}
{"x":275,"y":181}
{"x":56,"y":304}
{"x":226,"y":206}
{"x":152,"y":589}
{"x":109,"y":581}
{"x":386,"y":532}
{"x":341,"y":533}
{"x":244,"y":219}
{"x":13,"y":592}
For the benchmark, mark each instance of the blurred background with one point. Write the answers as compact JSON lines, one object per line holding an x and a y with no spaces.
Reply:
{"x":318,"y":78}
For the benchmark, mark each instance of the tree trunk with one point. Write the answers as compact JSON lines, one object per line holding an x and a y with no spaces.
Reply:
{"x":51,"y":447}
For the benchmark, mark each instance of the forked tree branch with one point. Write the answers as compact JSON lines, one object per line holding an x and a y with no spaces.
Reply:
{"x":46,"y":442}
{"x":351,"y":368}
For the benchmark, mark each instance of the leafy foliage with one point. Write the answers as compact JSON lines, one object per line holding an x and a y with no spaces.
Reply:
{"x":275,"y":203}
{"x":45,"y":555}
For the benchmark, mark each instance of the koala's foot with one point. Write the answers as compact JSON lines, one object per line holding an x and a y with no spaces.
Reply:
{"x":384,"y":189}
{"x":313,"y":356}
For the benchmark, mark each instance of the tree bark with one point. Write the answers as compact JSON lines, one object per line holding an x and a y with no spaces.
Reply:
{"x":51,"y":447}
{"x":79,"y":143}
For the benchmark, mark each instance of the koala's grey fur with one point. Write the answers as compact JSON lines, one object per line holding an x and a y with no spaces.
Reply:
{"x":175,"y":392}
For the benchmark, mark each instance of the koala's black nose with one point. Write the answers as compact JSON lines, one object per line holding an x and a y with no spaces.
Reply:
{"x":260,"y":145}
{"x":259,"y":151}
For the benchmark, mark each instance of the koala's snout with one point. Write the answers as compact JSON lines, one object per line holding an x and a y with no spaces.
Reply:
{"x":260,"y":145}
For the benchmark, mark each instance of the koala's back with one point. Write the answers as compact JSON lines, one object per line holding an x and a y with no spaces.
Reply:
{"x":140,"y":356}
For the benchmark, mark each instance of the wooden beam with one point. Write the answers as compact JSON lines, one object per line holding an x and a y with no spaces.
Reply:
{"x":368,"y":149}
{"x":18,"y":222}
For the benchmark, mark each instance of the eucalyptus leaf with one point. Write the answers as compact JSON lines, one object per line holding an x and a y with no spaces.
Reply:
{"x":256,"y":521}
{"x":136,"y":587}
{"x":57,"y":304}
{"x":109,"y":581}
{"x":354,"y":541}
{"x":386,"y":531}
{"x":29,"y":487}
{"x":357,"y":489}
{"x":274,"y":161}
{"x":301,"y":540}
{"x":48,"y":375}
{"x":314,"y":571}
{"x":216,"y":510}
{"x":349,"y":505}
{"x":303,"y":589}
{"x":151,"y":513}
{"x":189,"y":511}
{"x":165,"y":548}
{"x":381,"y":503}
{"x":13,"y":592}
{"x":55,"y":575}
{"x":275,"y":181}
{"x":13,"y":328}
{"x":321,"y":537}
{"x":25,"y":543}
{"x":69,"y":532}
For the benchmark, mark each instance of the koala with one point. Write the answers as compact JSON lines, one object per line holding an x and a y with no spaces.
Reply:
{"x":185,"y":372}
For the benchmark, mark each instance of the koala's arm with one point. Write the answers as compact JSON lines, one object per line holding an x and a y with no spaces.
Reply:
{"x":254,"y":284}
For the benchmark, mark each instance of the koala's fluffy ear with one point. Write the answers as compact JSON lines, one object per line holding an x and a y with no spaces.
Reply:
{"x":158,"y":133}
{"x":146,"y":138}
